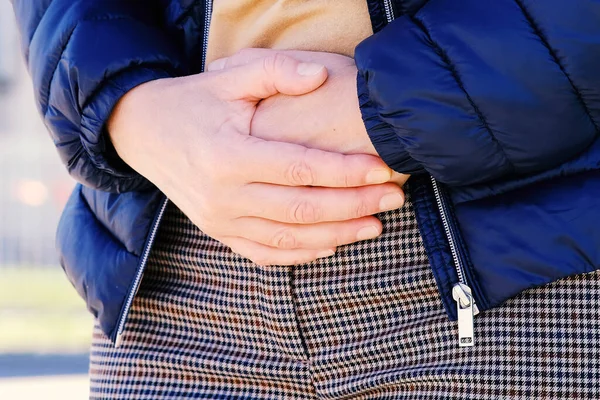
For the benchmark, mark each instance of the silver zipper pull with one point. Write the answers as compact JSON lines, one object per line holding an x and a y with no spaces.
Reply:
{"x":465,"y":306}
{"x":119,"y":340}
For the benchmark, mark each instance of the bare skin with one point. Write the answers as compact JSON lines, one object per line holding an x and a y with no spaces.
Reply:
{"x":270,"y":201}
{"x":334,"y":122}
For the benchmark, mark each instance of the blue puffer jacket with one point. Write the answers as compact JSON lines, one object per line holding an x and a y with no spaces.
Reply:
{"x":493,"y":106}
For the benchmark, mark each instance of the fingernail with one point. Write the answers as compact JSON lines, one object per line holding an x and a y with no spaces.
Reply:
{"x":379,"y":176}
{"x":391,"y":201}
{"x":309,"y":69}
{"x":369,"y":232}
{"x":325,"y":253}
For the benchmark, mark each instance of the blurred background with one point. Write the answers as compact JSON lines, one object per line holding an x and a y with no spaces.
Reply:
{"x":45,"y":330}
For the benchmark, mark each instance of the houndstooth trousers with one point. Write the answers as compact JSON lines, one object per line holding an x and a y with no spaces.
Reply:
{"x":365,"y":324}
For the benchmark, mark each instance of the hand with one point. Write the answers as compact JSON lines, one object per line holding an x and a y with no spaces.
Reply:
{"x":272,"y":202}
{"x":328,"y":118}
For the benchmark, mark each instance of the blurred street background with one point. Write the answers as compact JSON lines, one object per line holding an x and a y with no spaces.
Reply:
{"x":44,"y":328}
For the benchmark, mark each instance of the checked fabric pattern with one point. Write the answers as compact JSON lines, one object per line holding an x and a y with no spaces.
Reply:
{"x":364,"y":324}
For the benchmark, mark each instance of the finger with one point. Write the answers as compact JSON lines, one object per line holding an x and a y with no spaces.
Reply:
{"x":276,"y":73}
{"x":399,"y":179}
{"x":242,"y":57}
{"x":248,"y":55}
{"x":294,"y":165}
{"x":265,"y":255}
{"x":314,"y":236}
{"x":310,"y":205}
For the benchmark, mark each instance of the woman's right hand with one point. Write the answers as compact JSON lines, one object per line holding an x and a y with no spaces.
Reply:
{"x":272,"y":202}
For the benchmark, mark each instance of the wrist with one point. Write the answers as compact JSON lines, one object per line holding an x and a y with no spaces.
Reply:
{"x":125,"y":125}
{"x":122,"y":116}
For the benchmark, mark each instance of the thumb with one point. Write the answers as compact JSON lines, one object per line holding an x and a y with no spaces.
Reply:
{"x":274,"y":74}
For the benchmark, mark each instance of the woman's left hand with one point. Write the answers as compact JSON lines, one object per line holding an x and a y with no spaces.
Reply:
{"x":328,"y":118}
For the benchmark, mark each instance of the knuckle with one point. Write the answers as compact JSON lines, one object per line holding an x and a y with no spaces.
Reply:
{"x":275,"y":62}
{"x":279,"y":60}
{"x":242,"y":54}
{"x":300,"y":173}
{"x":270,"y":64}
{"x":284,"y":239}
{"x":347,"y":181}
{"x":361,"y":209}
{"x":304,"y":212}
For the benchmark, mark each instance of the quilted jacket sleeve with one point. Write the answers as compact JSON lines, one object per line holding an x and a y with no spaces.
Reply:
{"x":473,"y":91}
{"x":83,"y":56}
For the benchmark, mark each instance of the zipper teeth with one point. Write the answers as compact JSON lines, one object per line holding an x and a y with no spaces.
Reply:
{"x":389,"y":13}
{"x":207,"y":20}
{"x":450,"y":236}
{"x":140,"y":272}
{"x":146,"y":253}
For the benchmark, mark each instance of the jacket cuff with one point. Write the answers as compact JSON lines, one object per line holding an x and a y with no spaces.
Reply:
{"x":94,"y":135}
{"x":382,"y":135}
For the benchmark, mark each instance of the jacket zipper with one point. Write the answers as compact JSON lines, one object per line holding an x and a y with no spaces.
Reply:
{"x":153,"y":231}
{"x":461,"y":292}
{"x":140,"y":273}
{"x":207,"y":18}
{"x":389,"y":10}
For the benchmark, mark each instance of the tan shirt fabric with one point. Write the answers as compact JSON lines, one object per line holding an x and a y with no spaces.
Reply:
{"x":335,"y":26}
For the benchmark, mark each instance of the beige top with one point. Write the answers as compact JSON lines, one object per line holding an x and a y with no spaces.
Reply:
{"x":335,"y":26}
